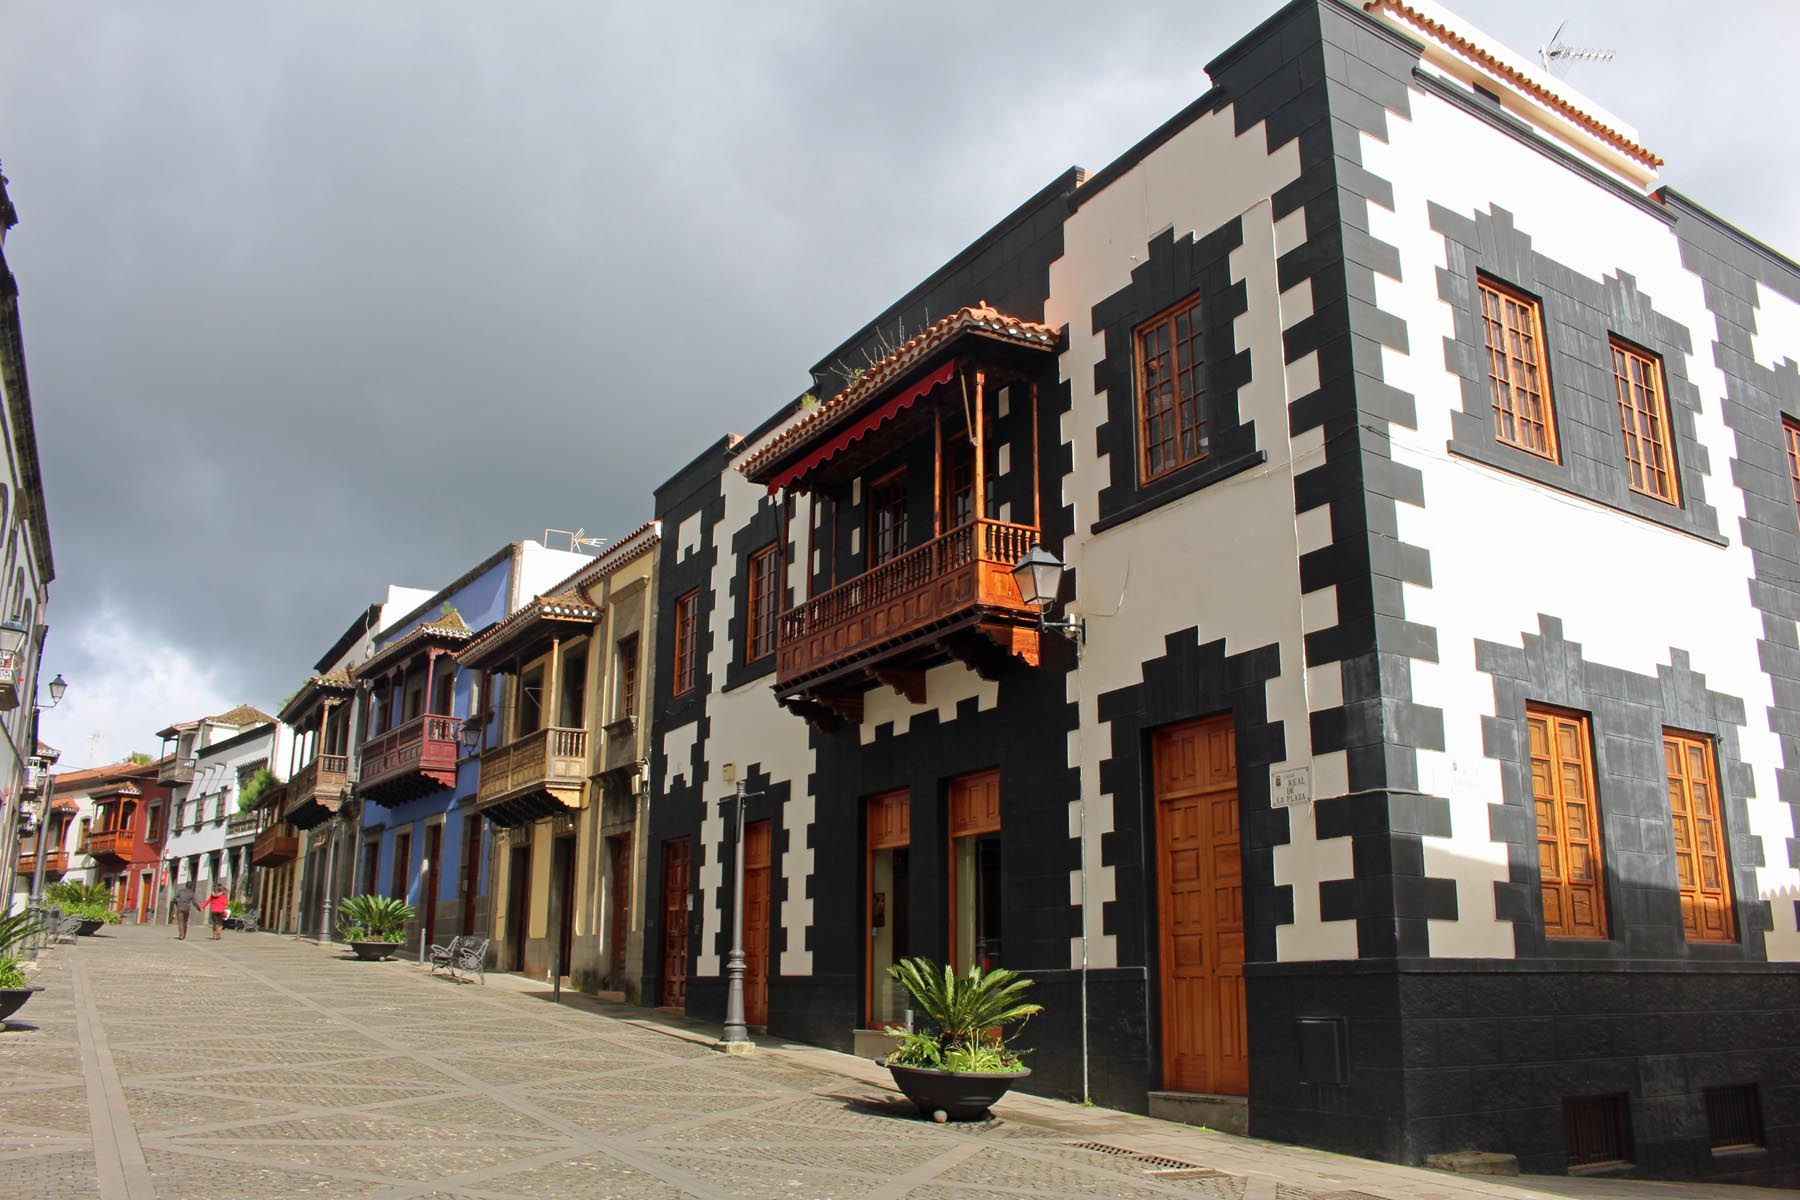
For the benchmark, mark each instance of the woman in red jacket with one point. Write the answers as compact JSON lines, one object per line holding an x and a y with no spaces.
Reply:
{"x":214,"y":906}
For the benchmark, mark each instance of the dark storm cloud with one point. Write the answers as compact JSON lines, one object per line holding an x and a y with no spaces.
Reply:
{"x":319,"y":297}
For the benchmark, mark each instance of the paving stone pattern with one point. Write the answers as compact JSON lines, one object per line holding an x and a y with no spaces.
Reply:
{"x":262,"y":1067}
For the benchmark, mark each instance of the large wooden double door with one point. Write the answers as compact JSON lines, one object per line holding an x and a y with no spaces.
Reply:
{"x":1200,"y":906}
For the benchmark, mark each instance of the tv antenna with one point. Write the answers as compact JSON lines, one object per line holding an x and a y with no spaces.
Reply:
{"x":578,"y":539}
{"x":1558,"y":57}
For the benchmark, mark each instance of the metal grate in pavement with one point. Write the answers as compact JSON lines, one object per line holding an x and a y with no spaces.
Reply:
{"x":1162,"y":1168}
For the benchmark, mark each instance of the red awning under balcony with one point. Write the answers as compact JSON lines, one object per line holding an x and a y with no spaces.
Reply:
{"x":863,"y":426}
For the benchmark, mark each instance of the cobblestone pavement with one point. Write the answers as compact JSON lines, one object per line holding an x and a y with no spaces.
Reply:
{"x":264,"y":1067}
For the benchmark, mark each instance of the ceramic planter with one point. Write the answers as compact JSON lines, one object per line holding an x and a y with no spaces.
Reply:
{"x":13,"y":999}
{"x":959,"y":1095}
{"x":374,"y":951}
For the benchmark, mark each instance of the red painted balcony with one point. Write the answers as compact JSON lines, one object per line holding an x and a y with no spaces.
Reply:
{"x":113,"y":843}
{"x":410,"y":760}
{"x":535,"y":776}
{"x":316,"y":790}
{"x":953,"y":597}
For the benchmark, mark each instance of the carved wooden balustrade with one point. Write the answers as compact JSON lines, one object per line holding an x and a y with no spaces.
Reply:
{"x":410,"y":760}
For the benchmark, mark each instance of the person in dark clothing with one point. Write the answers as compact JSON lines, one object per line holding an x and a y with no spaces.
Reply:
{"x":183,"y":905}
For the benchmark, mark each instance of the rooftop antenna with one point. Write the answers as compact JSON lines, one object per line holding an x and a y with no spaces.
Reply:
{"x":578,"y":539}
{"x":1557,"y":57}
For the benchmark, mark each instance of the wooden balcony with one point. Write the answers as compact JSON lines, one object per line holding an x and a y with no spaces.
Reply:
{"x":953,"y":597}
{"x":534,"y":776}
{"x":176,"y":770}
{"x":316,"y":791}
{"x":274,"y":846}
{"x":242,"y":827}
{"x":56,"y":864}
{"x":408,"y":761}
{"x":113,"y":843}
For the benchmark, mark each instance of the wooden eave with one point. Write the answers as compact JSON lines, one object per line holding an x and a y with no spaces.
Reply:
{"x":526,"y":638}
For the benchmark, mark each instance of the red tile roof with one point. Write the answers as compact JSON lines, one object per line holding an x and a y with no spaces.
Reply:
{"x":980,"y":319}
{"x":1537,"y":91}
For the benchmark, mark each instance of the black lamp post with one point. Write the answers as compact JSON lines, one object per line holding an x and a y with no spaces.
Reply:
{"x":1039,"y":576}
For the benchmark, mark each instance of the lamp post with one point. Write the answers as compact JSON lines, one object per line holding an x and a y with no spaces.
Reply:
{"x":736,"y":1039}
{"x":9,"y":631}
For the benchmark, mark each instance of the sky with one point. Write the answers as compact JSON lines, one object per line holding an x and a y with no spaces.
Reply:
{"x":319,"y":297}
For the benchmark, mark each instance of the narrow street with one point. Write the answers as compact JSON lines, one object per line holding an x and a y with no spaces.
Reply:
{"x":265,"y":1067}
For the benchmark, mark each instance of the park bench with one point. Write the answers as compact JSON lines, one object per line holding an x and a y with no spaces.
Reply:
{"x":444,"y":957}
{"x":247,"y":920}
{"x":65,"y":925}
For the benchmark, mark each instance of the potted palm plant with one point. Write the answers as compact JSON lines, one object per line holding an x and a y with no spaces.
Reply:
{"x":91,"y":902}
{"x":375,"y":926}
{"x":15,"y":986}
{"x":959,"y":1064}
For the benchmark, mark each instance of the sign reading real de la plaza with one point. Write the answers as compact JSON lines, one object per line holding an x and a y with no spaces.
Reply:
{"x":1290,"y":786}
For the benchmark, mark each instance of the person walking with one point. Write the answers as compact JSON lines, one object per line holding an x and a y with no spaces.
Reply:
{"x":183,"y":904}
{"x":216,"y":906}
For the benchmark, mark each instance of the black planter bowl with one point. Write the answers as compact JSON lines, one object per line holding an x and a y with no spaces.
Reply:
{"x":375,"y":951}
{"x":13,"y":999}
{"x":959,"y":1095}
{"x":88,"y":928}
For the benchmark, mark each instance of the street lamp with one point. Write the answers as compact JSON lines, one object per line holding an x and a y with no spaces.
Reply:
{"x":736,"y":1038}
{"x":47,"y":801}
{"x":1039,"y":576}
{"x":471,"y":735}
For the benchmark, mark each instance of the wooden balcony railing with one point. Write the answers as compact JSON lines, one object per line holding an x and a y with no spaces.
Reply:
{"x":967,"y":569}
{"x":531,"y":776}
{"x":55,"y":863}
{"x":316,"y":789}
{"x":242,"y":825}
{"x":410,"y":759}
{"x":274,"y":846}
{"x":112,"y":843}
{"x":176,"y":770}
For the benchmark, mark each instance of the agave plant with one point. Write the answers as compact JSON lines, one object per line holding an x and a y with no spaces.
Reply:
{"x":15,"y":930}
{"x":93,"y":910}
{"x":373,"y":919}
{"x":967,"y":1015}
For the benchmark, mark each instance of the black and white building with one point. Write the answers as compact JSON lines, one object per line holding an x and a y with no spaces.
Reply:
{"x":1427,"y":776}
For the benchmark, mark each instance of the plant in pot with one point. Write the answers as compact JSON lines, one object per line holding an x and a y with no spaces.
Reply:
{"x":91,"y":902}
{"x":959,"y":1064}
{"x":15,"y":985}
{"x":375,"y":926}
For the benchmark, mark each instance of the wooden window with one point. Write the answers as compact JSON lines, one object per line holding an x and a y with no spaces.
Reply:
{"x":1514,"y":324}
{"x":1596,"y":1130}
{"x":627,"y":653}
{"x":1568,"y":824}
{"x":1644,"y":421}
{"x":976,"y":908}
{"x":1790,"y":431}
{"x":687,"y":617}
{"x":887,"y":518}
{"x":402,"y":865}
{"x":764,"y":593}
{"x":1171,"y":386}
{"x":959,"y":479}
{"x":1700,"y":859}
{"x":1733,"y":1121}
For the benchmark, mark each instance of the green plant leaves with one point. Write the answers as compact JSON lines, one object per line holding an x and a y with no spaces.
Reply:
{"x":967,"y":1013}
{"x":15,"y":930}
{"x":373,"y":919}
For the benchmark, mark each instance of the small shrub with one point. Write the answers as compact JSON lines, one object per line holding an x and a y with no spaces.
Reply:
{"x":966,"y":1017}
{"x":15,"y":930}
{"x":92,"y":910}
{"x":12,"y":975}
{"x":373,"y":919}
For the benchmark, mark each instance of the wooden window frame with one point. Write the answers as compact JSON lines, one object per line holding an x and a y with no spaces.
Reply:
{"x":893,"y":486}
{"x":1510,"y":396}
{"x":1790,"y":431}
{"x":1642,"y":427}
{"x":1193,"y":403}
{"x":684,"y":678}
{"x":1685,"y":824}
{"x":1559,"y":836}
{"x":627,"y":651}
{"x":763,"y":604}
{"x":961,"y":823}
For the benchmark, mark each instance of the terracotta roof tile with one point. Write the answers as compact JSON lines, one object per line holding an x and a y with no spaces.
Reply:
{"x":1537,"y":91}
{"x":448,"y":626}
{"x":562,"y":606}
{"x":980,"y":318}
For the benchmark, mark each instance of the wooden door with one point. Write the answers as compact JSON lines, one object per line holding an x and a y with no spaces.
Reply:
{"x":976,"y":904}
{"x":471,"y":872}
{"x":1200,"y":906}
{"x":676,"y":857}
{"x":887,"y":880}
{"x":620,"y":904}
{"x":563,"y":858}
{"x":758,"y":844}
{"x":429,"y":874}
{"x":518,"y":905}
